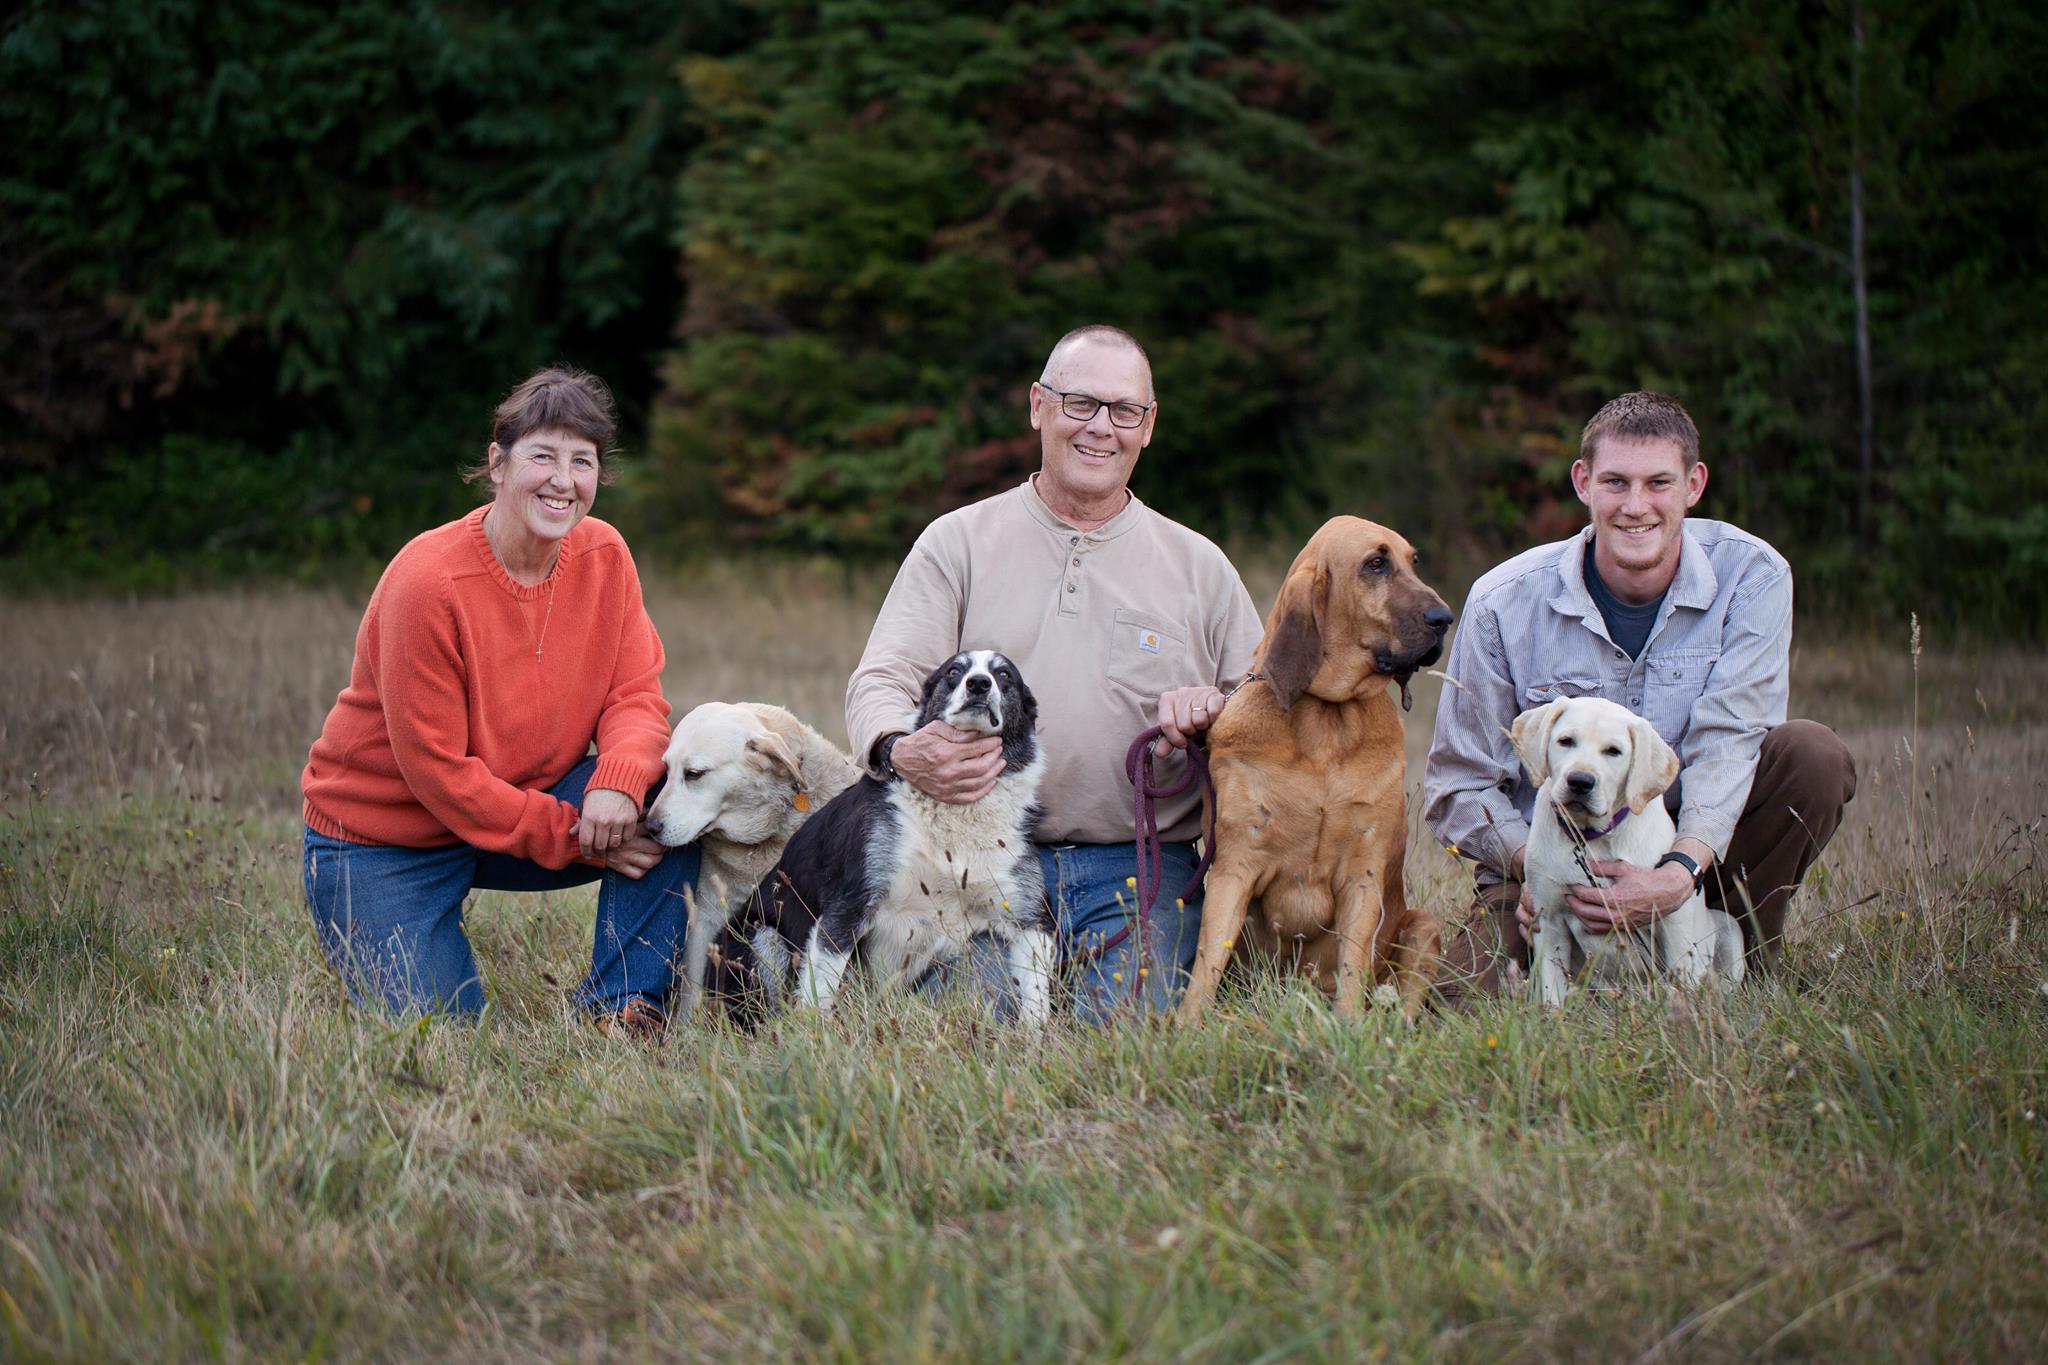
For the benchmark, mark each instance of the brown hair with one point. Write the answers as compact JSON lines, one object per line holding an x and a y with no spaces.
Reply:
{"x":1643,"y":416}
{"x":558,"y":398}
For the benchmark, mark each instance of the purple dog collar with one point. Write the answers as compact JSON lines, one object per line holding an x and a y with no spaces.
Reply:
{"x":1589,"y":835}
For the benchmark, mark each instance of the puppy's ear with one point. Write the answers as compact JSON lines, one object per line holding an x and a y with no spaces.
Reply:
{"x":1293,"y":648}
{"x":772,"y":751}
{"x":1531,"y":737}
{"x":1652,"y":766}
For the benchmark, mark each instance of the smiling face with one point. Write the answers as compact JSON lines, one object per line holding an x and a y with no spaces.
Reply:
{"x":1638,"y":490}
{"x":545,"y":484}
{"x":1085,"y":466}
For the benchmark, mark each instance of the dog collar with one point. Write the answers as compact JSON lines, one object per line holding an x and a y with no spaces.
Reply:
{"x":1588,"y":835}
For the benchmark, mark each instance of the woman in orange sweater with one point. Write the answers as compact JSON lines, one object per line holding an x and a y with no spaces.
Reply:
{"x":495,"y":651}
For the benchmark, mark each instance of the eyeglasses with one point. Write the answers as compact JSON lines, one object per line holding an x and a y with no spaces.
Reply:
{"x":1082,"y":406}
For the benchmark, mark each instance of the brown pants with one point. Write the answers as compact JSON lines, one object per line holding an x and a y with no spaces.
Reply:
{"x":1804,"y":778}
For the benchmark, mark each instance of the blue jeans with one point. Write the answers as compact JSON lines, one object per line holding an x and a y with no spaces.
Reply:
{"x":390,"y":919}
{"x":1089,"y":887}
{"x":981,"y":973}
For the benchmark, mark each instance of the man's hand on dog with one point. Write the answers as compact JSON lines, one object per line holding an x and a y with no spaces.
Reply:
{"x":1637,"y":898}
{"x":949,"y":765}
{"x":1184,"y":713}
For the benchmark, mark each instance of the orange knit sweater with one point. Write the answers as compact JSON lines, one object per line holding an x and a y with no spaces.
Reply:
{"x":450,"y":730}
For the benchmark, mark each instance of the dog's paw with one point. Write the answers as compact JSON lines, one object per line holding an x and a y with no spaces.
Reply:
{"x":1514,"y":982}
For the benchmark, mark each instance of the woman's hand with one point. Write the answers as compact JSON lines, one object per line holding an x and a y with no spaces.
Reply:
{"x":608,"y":819}
{"x":636,"y":856}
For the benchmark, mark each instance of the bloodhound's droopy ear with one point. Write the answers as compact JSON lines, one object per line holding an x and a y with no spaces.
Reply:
{"x":1531,"y":736}
{"x":1293,"y":647}
{"x":1652,"y":766}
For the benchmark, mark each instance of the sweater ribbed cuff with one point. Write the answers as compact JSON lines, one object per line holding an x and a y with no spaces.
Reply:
{"x":629,"y":775}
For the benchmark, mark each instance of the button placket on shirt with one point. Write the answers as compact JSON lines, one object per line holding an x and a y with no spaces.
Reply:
{"x":1070,"y":580}
{"x":1628,"y":683}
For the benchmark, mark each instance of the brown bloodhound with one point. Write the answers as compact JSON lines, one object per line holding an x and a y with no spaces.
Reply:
{"x":1310,"y":779}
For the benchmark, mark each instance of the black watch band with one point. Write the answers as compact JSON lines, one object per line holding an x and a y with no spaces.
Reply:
{"x":882,"y":748}
{"x":1689,"y":863}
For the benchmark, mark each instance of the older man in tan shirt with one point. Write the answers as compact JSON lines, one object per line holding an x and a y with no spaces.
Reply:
{"x":1116,"y":616}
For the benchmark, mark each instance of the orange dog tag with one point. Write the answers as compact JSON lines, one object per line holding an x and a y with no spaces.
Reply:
{"x":802,"y":801}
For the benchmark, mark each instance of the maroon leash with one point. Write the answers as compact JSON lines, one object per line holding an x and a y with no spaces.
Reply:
{"x":1146,"y":793}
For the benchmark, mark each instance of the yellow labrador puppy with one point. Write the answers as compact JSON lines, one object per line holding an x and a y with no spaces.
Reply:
{"x":742,"y":776}
{"x":1600,"y":772}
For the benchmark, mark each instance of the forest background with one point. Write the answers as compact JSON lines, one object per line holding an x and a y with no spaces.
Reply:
{"x":266,"y":266}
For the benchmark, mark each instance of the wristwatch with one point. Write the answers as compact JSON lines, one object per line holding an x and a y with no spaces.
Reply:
{"x":882,"y":748}
{"x":1689,"y":863}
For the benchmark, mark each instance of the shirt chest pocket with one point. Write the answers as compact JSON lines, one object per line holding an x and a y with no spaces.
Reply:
{"x":1146,"y":655}
{"x":1674,"y":682}
{"x":1682,"y":668}
{"x":1557,"y":689}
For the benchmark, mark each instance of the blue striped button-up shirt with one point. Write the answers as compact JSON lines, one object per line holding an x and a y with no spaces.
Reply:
{"x":1712,"y":679}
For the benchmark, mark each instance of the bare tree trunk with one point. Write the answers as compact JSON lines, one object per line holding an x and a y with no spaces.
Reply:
{"x":1866,"y":420}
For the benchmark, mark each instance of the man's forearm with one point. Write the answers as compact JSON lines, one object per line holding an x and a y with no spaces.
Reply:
{"x":1488,"y":832}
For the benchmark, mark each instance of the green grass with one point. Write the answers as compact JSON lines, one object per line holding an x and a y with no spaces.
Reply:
{"x":204,"y":1152}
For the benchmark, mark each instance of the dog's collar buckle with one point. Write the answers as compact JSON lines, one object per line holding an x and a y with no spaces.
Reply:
{"x":1249,"y":678}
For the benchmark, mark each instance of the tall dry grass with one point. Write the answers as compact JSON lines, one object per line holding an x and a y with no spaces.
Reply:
{"x":204,"y":1152}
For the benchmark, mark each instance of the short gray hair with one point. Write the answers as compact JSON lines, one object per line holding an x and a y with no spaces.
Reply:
{"x":1095,"y":331}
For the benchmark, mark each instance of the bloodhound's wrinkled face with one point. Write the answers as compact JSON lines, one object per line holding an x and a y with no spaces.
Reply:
{"x":1351,"y":614}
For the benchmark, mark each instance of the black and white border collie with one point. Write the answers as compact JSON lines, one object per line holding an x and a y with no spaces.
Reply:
{"x":903,"y":880}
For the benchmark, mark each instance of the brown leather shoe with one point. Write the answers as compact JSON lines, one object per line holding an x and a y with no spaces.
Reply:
{"x":637,"y":1019}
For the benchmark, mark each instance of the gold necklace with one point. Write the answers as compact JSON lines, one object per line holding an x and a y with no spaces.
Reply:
{"x":554,"y":575}
{"x":546,"y":617}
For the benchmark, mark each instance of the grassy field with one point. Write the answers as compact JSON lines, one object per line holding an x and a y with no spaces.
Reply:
{"x":204,"y":1152}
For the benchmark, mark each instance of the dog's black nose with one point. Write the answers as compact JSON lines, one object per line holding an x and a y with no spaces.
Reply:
{"x":1580,"y":782}
{"x":977,"y":684}
{"x":1437,"y":619}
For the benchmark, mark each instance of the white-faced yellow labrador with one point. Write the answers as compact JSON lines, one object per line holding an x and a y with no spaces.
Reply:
{"x":1600,"y":772}
{"x":742,"y":777}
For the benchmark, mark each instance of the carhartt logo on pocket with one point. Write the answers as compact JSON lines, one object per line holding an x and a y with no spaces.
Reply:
{"x":1148,"y":640}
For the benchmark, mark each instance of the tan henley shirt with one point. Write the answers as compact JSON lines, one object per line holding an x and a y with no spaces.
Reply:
{"x":1099,"y":622}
